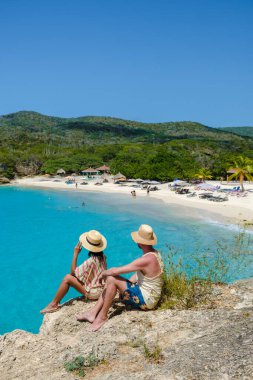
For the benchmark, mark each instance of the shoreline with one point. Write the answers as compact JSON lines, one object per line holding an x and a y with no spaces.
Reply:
{"x":236,"y":211}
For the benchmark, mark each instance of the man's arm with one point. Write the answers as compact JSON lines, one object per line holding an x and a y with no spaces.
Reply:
{"x":138,"y":264}
{"x":133,"y":278}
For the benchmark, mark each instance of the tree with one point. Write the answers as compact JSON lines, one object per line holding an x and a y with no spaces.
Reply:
{"x":243,"y":167}
{"x":203,"y":174}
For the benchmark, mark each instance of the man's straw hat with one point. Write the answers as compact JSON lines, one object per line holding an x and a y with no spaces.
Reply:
{"x":145,"y":235}
{"x":93,"y":241}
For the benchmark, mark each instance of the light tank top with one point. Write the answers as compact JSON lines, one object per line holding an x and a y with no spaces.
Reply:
{"x":151,"y":288}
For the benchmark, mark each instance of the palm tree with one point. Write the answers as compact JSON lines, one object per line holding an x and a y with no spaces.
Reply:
{"x":203,"y":174}
{"x":243,"y":167}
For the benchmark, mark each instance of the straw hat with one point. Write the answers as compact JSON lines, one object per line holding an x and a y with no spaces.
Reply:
{"x":93,"y":241}
{"x":145,"y":235}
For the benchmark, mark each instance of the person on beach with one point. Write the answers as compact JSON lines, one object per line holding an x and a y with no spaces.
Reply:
{"x":84,"y":278}
{"x":144,"y":288}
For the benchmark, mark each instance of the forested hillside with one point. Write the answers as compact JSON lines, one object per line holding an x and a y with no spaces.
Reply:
{"x":241,"y":131}
{"x":31,"y":143}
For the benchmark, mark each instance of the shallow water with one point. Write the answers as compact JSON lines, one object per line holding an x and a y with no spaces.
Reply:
{"x":39,"y":229}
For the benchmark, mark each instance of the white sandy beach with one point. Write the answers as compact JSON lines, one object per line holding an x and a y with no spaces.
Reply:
{"x":237,"y":210}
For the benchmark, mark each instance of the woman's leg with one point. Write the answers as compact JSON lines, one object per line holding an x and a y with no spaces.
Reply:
{"x":68,"y":281}
{"x":91,"y":314}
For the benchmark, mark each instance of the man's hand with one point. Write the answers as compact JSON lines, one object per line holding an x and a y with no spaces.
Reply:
{"x":77,"y":249}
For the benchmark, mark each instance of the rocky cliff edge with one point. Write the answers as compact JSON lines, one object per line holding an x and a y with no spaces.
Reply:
{"x":199,"y":344}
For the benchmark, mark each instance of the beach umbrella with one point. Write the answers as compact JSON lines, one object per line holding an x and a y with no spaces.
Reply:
{"x":154,"y":183}
{"x":206,"y":186}
{"x":119,"y":176}
{"x":179,"y":182}
{"x":61,"y":172}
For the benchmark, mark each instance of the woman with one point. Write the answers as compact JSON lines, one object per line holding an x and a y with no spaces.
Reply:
{"x":83,"y":278}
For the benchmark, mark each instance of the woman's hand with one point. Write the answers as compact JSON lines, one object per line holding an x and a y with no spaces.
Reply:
{"x":77,"y":249}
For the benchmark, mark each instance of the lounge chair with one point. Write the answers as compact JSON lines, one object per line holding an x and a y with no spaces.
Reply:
{"x":194,"y":194}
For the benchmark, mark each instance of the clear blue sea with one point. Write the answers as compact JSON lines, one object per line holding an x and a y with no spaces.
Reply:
{"x":39,"y":228}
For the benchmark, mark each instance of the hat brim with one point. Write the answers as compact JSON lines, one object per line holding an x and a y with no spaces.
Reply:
{"x":138,"y":239}
{"x":91,"y":247}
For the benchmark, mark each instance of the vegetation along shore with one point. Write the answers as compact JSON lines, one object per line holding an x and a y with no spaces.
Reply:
{"x":33,"y":144}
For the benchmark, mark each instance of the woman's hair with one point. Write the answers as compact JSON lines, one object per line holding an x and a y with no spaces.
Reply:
{"x":96,"y":254}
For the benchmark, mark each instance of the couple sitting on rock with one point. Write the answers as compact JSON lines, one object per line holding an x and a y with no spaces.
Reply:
{"x":93,"y":280}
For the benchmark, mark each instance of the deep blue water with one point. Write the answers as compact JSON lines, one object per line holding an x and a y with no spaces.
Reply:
{"x":39,"y":228}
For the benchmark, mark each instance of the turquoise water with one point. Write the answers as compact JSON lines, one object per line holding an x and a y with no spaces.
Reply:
{"x":39,"y":229}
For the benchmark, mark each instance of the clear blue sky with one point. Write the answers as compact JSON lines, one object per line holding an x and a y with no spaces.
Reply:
{"x":159,"y":60}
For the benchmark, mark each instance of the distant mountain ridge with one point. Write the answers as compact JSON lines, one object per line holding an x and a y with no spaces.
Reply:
{"x":241,"y":131}
{"x":104,"y":127}
{"x":32,"y":143}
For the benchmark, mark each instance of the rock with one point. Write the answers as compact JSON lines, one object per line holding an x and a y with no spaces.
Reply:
{"x":4,"y":180}
{"x":195,"y":344}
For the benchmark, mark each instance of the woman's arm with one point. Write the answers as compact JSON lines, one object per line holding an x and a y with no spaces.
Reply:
{"x":77,"y":250}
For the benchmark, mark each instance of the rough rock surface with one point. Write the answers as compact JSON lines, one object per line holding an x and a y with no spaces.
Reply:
{"x":195,"y":344}
{"x":4,"y":180}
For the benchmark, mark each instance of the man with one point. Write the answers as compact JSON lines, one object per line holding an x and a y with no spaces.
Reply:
{"x":142,"y":291}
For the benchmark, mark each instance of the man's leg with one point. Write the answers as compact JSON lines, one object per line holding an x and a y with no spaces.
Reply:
{"x":68,"y":281}
{"x":112,"y":285}
{"x":91,"y":314}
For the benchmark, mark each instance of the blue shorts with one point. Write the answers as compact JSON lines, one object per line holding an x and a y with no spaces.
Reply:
{"x":133,"y":296}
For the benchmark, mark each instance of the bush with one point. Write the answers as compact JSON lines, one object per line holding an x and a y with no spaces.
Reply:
{"x":80,"y":363}
{"x":186,"y":285}
{"x":153,"y":355}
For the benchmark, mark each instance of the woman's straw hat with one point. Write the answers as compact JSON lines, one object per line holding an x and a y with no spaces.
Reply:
{"x":93,"y":241}
{"x":145,"y":235}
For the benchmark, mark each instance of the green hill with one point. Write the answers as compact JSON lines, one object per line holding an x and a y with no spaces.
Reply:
{"x":32,"y":143}
{"x":104,"y":128}
{"x":241,"y":131}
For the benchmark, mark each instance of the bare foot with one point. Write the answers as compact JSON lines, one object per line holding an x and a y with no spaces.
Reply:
{"x":50,"y":309}
{"x":86,"y":317}
{"x":97,"y":324}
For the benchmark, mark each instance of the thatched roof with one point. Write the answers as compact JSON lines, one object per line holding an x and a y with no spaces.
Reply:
{"x":119,"y":176}
{"x":89,"y":170}
{"x":60,"y":171}
{"x":103,"y":168}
